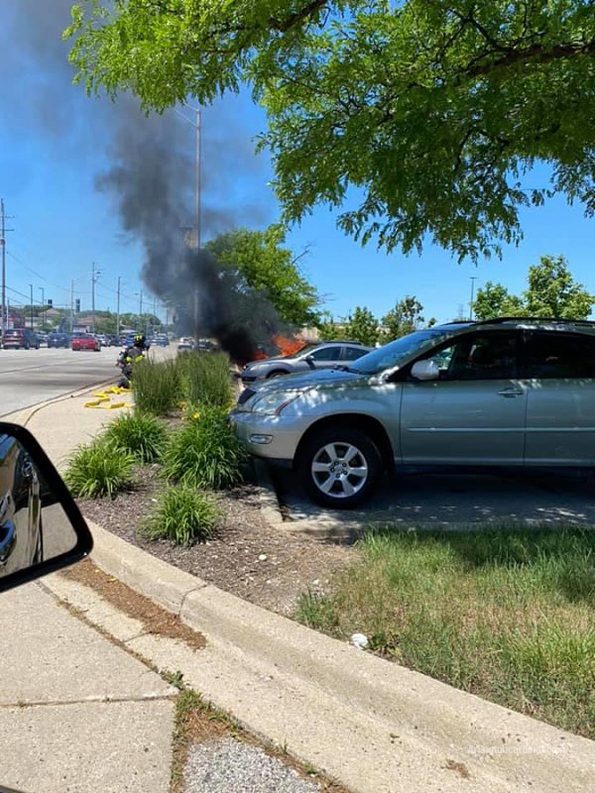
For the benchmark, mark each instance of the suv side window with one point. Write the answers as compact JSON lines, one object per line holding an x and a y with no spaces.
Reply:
{"x":326,"y":354}
{"x":480,"y":356}
{"x":560,"y":355}
{"x":352,"y":353}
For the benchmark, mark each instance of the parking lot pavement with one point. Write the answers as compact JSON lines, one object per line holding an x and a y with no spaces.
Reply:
{"x":450,"y":501}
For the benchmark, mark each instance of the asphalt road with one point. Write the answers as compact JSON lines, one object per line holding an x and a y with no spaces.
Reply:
{"x":28,"y":377}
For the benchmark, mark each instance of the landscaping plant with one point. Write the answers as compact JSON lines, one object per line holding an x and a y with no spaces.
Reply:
{"x":506,"y":614}
{"x":205,"y":452}
{"x":99,"y":469}
{"x":140,"y":434}
{"x":183,"y":515}
{"x":206,"y":378}
{"x":156,"y":386}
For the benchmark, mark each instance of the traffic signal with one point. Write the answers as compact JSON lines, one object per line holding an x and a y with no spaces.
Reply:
{"x":50,"y":303}
{"x":77,"y":305}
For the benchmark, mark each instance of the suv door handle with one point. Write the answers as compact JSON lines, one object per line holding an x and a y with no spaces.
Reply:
{"x":511,"y":393}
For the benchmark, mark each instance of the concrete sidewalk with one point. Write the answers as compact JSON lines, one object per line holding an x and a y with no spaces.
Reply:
{"x":77,"y":713}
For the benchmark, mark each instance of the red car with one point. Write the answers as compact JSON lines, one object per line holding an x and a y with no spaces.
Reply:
{"x":86,"y":342}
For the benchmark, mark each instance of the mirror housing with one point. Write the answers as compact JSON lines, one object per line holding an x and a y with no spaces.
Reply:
{"x":41,"y":527}
{"x":310,"y":361}
{"x":425,"y":370}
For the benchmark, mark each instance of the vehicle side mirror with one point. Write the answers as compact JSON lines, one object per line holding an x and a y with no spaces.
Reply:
{"x":425,"y":370}
{"x":41,"y":527}
{"x":310,"y":361}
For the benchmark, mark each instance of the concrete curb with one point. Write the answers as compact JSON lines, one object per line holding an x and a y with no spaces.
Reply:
{"x":373,"y":724}
{"x":327,"y":529}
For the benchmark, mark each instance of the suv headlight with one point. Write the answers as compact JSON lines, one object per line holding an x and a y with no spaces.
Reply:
{"x":273,"y":403}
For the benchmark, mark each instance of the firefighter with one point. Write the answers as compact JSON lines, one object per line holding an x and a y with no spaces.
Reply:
{"x":129,"y":356}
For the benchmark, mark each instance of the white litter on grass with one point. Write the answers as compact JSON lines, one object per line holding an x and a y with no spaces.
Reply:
{"x":359,"y":640}
{"x":263,"y":557}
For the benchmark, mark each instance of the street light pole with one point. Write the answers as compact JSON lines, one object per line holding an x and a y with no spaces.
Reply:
{"x":31,"y":307}
{"x":94,"y":276}
{"x":473,"y":279}
{"x":118,"y":310}
{"x":3,"y":246}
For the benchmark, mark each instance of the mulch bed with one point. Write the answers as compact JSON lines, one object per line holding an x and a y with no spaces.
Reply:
{"x":269,"y":567}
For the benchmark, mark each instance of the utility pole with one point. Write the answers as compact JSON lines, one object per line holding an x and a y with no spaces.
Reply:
{"x":94,"y":277}
{"x":71,"y":306}
{"x":42,"y":290}
{"x":197,"y":210}
{"x":473,"y":279}
{"x":31,"y":307}
{"x":140,"y":309}
{"x":118,"y":310}
{"x":3,"y":230}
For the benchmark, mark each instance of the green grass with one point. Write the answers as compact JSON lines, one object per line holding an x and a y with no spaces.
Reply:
{"x":99,"y":469}
{"x":206,"y":378}
{"x":156,"y":386}
{"x":183,"y":515}
{"x":508,"y":615}
{"x":140,"y":434}
{"x":205,"y":452}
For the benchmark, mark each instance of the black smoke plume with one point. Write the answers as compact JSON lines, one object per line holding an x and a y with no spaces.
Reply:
{"x":150,"y":176}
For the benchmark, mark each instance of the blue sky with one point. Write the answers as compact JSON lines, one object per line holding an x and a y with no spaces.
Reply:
{"x":54,"y":142}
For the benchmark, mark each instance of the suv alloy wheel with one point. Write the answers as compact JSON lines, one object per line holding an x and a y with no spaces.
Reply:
{"x":340,"y":467}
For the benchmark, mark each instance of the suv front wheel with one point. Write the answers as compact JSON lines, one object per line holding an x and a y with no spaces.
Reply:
{"x":340,"y":467}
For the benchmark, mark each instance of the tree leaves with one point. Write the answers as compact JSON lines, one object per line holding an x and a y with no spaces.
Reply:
{"x":433,"y":110}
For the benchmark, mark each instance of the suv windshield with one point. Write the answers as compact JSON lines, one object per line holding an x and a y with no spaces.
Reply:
{"x":393,"y":353}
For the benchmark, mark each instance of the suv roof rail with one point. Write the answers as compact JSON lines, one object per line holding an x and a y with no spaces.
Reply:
{"x":559,"y":320}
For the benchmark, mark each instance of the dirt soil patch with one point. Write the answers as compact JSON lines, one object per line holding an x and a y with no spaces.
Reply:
{"x":153,"y":618}
{"x":268,"y":567}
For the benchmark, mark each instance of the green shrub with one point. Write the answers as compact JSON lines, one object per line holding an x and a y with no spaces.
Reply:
{"x":156,"y":386}
{"x":206,"y":378}
{"x":140,"y":434}
{"x":205,"y":452}
{"x":99,"y":469}
{"x":183,"y":515}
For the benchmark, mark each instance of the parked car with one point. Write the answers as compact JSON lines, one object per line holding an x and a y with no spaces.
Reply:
{"x":186,"y":343}
{"x":21,"y":338}
{"x":161,"y":340}
{"x":42,"y":336}
{"x":330,"y":355}
{"x":21,"y":539}
{"x":86,"y":342}
{"x":507,"y":392}
{"x":57,"y":339}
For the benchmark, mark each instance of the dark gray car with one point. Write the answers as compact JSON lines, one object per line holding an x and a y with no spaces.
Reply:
{"x":329,"y":355}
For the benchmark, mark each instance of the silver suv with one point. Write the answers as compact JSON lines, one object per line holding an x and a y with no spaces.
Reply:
{"x":313,"y":356}
{"x":506,"y":392}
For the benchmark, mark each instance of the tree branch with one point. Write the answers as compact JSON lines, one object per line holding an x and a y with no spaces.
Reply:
{"x":537,"y":53}
{"x":283,"y":25}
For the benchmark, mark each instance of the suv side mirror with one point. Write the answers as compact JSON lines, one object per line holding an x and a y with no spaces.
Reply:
{"x":425,"y":370}
{"x":41,"y":527}
{"x":310,"y":361}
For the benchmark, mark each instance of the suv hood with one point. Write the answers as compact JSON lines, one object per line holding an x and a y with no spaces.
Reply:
{"x":319,"y":377}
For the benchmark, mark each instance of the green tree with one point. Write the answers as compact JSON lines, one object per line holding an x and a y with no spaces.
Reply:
{"x":265,"y":265}
{"x":553,"y":292}
{"x":361,"y":326}
{"x":494,"y":300}
{"x":404,"y":318}
{"x":433,"y":110}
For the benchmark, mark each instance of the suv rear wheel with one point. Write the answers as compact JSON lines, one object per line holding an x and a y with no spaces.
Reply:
{"x":340,"y":467}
